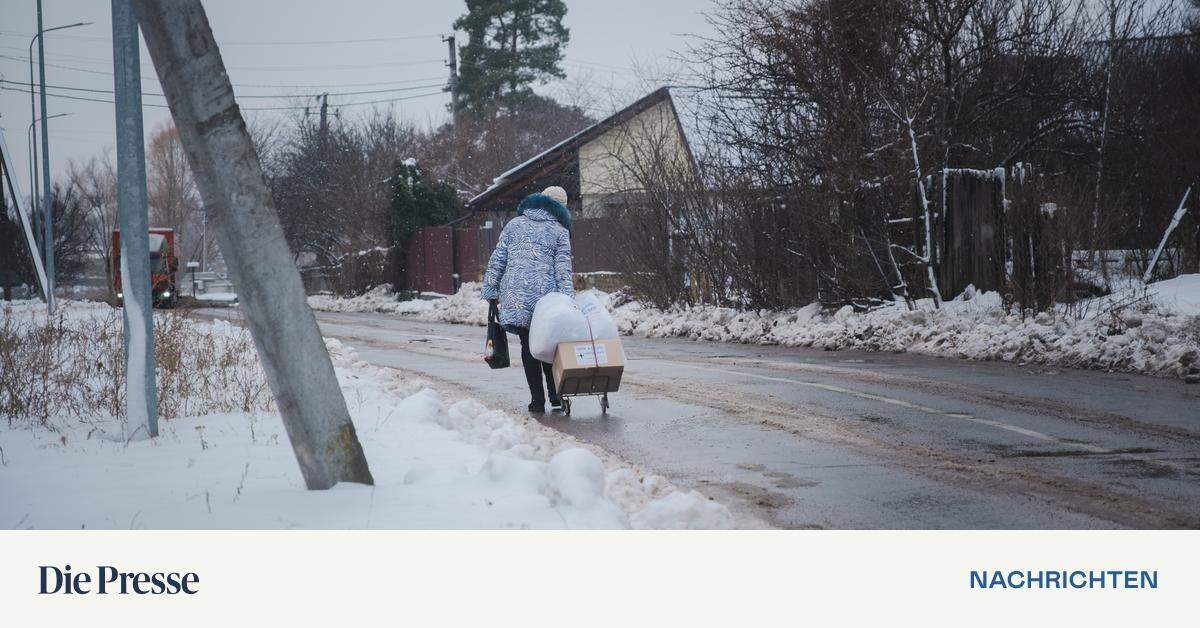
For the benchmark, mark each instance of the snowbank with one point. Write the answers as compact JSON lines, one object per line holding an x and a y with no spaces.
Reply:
{"x":437,"y":463}
{"x":217,"y":297}
{"x":465,"y":306}
{"x":1143,"y":338}
{"x":1151,"y":329}
{"x":1180,"y":295}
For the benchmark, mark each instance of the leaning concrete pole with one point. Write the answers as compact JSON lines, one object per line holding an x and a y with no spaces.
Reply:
{"x":247,"y":227}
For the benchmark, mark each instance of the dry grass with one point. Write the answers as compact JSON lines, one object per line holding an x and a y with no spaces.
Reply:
{"x":71,"y":366}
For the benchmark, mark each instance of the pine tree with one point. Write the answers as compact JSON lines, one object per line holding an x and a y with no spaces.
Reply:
{"x":417,"y":203}
{"x":511,"y":45}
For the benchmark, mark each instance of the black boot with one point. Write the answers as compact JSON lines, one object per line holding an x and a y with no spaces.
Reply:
{"x":533,"y":373}
{"x":555,"y":400}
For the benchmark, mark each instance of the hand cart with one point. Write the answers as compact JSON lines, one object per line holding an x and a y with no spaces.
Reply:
{"x":597,"y":386}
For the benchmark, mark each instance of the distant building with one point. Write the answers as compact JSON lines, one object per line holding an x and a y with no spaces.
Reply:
{"x":601,"y":167}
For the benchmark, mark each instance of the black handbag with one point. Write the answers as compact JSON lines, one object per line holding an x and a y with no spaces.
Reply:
{"x":495,"y":352}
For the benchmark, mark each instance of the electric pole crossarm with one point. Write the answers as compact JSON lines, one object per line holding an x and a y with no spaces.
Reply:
{"x":238,"y":201}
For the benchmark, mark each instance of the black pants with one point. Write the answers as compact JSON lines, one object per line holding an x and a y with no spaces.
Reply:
{"x":534,"y":370}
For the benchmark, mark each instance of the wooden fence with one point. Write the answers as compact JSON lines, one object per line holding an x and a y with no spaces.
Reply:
{"x":439,"y":259}
{"x":972,"y":250}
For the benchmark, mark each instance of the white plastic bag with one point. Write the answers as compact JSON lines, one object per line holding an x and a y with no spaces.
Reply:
{"x":555,"y":319}
{"x":603,"y":327}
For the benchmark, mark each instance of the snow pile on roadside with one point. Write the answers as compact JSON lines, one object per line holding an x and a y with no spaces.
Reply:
{"x":377,"y":299}
{"x":581,"y":484}
{"x":437,"y":463}
{"x":1145,"y":338}
{"x":1180,"y":294}
{"x":465,"y":306}
{"x":1156,"y":332}
{"x":217,"y":297}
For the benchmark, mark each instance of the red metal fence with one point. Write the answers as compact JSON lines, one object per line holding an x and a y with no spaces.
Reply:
{"x":429,"y":260}
{"x":439,"y":259}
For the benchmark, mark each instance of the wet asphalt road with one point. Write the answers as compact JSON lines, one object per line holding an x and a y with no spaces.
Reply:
{"x":801,"y":438}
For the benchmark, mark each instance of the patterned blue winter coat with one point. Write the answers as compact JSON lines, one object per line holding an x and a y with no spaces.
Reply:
{"x":532,"y":259}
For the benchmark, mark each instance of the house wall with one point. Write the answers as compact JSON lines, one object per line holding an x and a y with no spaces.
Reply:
{"x":609,"y":164}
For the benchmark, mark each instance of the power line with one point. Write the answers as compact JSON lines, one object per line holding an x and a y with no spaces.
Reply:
{"x":603,"y":66}
{"x":262,"y":68}
{"x":314,"y":42}
{"x":54,"y":65}
{"x":254,"y":85}
{"x":355,"y":93}
{"x":250,"y":85}
{"x":321,"y":42}
{"x":69,"y":97}
{"x":348,"y":66}
{"x":280,"y":108}
{"x":387,"y":100}
{"x":339,"y":85}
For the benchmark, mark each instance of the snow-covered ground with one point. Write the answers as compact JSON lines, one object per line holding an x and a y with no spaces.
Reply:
{"x":438,"y":461}
{"x":1152,"y":329}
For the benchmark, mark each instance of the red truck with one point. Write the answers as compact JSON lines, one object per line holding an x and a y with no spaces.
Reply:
{"x":163,"y":265}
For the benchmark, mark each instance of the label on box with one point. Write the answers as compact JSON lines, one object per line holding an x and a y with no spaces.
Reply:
{"x":585,"y":355}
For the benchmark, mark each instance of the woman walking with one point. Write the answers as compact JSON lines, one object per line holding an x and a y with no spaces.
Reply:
{"x":532,"y":259}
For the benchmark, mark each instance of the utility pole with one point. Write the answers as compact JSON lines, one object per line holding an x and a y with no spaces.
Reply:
{"x":140,"y":393}
{"x":452,"y":85}
{"x":231,"y":182}
{"x":48,"y":209}
{"x":34,"y":176}
{"x":33,"y":158}
{"x":38,"y":38}
{"x":324,"y":118}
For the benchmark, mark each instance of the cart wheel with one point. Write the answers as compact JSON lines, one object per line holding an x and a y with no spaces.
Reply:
{"x":604,"y":404}
{"x":566,"y":406}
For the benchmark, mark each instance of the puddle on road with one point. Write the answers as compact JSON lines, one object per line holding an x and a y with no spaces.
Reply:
{"x":756,"y":495}
{"x":781,"y":479}
{"x":1073,"y":453}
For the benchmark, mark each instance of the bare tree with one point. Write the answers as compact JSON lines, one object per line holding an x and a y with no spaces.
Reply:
{"x":173,"y":199}
{"x":95,"y":181}
{"x":840,"y":111}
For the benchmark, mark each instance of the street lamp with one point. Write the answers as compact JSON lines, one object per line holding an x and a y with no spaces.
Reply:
{"x":32,"y":92}
{"x":48,"y":226}
{"x":31,"y":150}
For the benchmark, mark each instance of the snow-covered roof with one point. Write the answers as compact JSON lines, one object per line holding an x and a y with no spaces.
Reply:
{"x":157,"y":242}
{"x":520,"y":174}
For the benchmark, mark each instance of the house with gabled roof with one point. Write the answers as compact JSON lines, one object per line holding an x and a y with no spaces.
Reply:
{"x":599,"y":169}
{"x":595,"y":165}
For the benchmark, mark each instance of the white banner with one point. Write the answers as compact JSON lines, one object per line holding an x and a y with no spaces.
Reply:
{"x":574,"y":579}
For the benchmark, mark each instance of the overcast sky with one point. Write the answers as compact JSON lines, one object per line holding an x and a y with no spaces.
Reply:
{"x":268,"y":52}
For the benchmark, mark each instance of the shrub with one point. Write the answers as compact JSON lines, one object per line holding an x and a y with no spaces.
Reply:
{"x":71,"y":365}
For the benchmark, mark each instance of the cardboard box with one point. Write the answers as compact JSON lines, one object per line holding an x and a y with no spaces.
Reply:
{"x":587,"y":366}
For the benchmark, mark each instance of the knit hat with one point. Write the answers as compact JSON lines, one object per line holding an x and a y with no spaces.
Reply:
{"x":557,"y":194}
